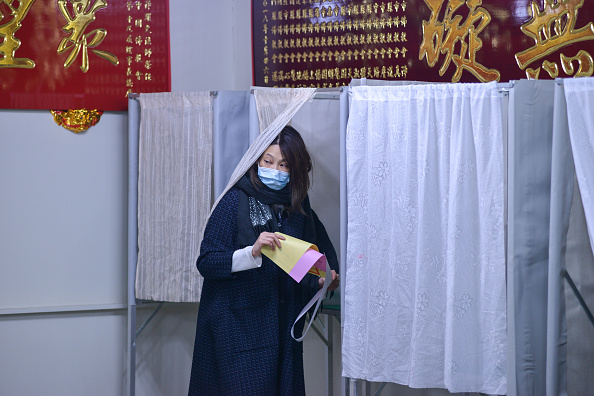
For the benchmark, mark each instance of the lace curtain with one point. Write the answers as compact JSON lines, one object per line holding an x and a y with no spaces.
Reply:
{"x":174,"y":193}
{"x":425,"y":277}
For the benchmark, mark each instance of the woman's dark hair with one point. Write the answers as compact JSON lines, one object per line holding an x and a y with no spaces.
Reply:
{"x":299,"y":162}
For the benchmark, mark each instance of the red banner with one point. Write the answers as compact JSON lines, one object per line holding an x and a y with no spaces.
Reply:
{"x":73,"y":54}
{"x":326,"y":43}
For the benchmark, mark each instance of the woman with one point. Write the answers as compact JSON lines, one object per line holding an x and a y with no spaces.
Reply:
{"x":243,"y":343}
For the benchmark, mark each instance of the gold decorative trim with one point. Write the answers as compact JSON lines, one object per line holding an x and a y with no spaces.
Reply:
{"x":77,"y":120}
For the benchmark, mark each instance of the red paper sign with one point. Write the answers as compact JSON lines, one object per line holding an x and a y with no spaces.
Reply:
{"x":73,"y":54}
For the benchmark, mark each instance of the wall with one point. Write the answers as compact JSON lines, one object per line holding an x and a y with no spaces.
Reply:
{"x":63,"y":211}
{"x":62,"y":255}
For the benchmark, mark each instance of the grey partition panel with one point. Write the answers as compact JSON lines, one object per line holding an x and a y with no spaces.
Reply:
{"x":529,"y":184}
{"x":231,"y":138}
{"x":318,"y":123}
{"x":133,"y":133}
{"x":562,"y":173}
{"x":579,"y":264}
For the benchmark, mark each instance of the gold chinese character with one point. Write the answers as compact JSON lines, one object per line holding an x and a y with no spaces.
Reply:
{"x":551,"y":68}
{"x":10,"y":43}
{"x":585,"y":62}
{"x":551,"y":30}
{"x":84,"y":14}
{"x":441,"y":37}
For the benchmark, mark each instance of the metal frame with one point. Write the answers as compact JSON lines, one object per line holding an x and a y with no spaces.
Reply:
{"x":132,"y":332}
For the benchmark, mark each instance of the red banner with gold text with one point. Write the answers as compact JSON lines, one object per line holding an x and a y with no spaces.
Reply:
{"x":326,"y":43}
{"x":73,"y":54}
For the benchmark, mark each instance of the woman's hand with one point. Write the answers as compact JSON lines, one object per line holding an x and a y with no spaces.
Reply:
{"x":266,"y":238}
{"x":335,"y":282}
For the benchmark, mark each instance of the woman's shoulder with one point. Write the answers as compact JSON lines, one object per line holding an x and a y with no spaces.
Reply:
{"x":227,"y":205}
{"x":231,"y":197}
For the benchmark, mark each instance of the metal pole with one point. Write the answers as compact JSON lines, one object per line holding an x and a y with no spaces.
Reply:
{"x":329,"y":357}
{"x":133,"y":132}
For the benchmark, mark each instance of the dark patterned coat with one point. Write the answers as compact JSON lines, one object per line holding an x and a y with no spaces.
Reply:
{"x":243,"y":343}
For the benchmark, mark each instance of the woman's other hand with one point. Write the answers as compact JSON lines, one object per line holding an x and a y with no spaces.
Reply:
{"x":335,"y":282}
{"x":266,"y":238}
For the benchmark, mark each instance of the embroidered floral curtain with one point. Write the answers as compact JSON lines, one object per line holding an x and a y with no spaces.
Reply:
{"x":425,"y":279}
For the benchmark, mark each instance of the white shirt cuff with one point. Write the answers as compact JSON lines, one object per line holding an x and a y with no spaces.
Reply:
{"x":243,"y":260}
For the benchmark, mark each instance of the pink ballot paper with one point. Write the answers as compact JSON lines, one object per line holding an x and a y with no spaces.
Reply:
{"x":297,"y":258}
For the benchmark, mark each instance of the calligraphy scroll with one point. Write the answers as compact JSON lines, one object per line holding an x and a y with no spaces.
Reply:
{"x":319,"y":43}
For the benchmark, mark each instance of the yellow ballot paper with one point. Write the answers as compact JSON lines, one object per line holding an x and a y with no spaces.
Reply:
{"x":297,"y":257}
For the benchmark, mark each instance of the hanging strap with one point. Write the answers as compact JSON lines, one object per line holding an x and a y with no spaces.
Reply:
{"x":317,"y":299}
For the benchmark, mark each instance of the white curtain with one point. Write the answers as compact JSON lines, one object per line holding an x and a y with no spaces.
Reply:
{"x":425,"y":278}
{"x":579,"y":94}
{"x":174,"y":193}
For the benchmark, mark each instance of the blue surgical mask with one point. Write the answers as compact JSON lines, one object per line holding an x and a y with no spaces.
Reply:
{"x":275,"y":179}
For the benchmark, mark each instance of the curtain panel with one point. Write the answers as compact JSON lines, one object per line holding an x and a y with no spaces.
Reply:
{"x":579,"y":258}
{"x":425,"y":278}
{"x":174,"y":193}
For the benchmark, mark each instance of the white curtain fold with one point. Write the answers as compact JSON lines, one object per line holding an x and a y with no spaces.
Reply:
{"x":271,"y":102}
{"x":579,"y":260}
{"x":174,"y":193}
{"x":579,"y":95}
{"x":425,"y":282}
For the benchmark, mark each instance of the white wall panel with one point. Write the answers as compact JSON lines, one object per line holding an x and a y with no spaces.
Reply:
{"x":62,"y":354}
{"x":62,"y":211}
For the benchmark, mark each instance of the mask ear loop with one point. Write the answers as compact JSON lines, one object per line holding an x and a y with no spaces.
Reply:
{"x":317,"y":299}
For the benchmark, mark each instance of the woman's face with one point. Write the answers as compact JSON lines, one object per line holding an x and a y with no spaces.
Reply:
{"x":273,"y":159}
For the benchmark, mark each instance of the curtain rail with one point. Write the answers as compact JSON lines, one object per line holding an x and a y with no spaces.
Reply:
{"x":135,"y":96}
